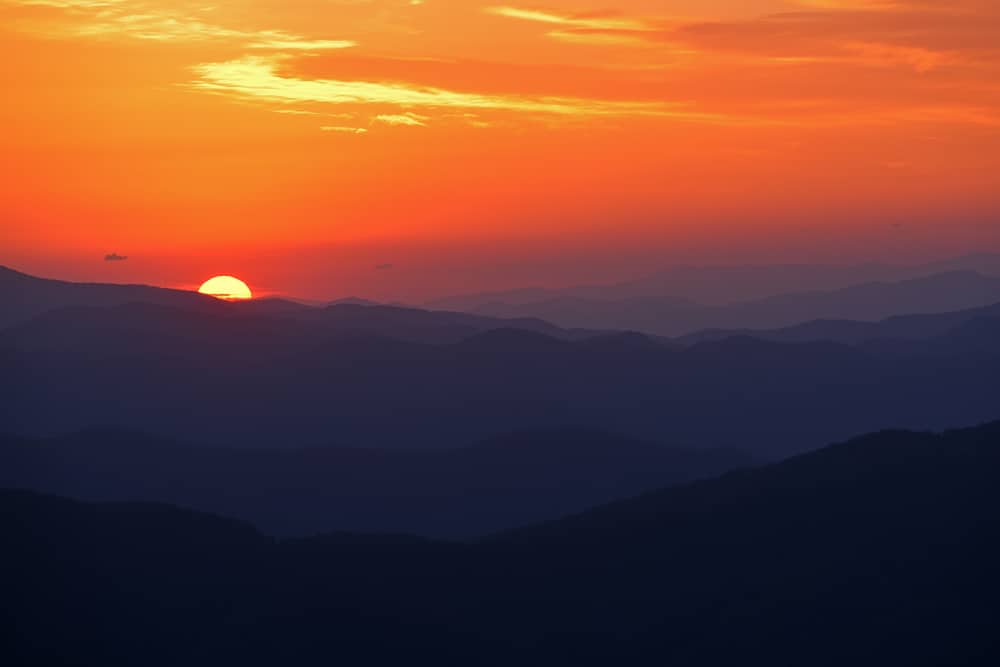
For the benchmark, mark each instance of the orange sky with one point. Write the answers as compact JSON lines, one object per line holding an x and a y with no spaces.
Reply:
{"x":475,"y":144}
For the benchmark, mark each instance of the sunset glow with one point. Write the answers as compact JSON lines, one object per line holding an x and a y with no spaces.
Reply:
{"x":565,"y":140}
{"x":227,"y":288}
{"x":496,"y":332}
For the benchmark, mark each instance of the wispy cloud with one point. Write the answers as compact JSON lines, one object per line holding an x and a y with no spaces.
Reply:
{"x":591,"y":28}
{"x":841,"y":59}
{"x":919,"y":34}
{"x":282,"y":42}
{"x":920,"y":59}
{"x":410,"y":119}
{"x":153,"y":22}
{"x":343,"y":129}
{"x":259,"y":77}
{"x":584,"y":21}
{"x":70,"y":4}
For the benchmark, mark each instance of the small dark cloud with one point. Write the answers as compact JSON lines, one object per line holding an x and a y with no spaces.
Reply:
{"x":115,"y":257}
{"x":384,"y":267}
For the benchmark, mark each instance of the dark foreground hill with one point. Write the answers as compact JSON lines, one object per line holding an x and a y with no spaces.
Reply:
{"x":880,"y":551}
{"x":489,"y":486}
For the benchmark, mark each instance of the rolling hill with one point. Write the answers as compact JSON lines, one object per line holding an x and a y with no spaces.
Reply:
{"x":880,"y":550}
{"x":488,"y":486}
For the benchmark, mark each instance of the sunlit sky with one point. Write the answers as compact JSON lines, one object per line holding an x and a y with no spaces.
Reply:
{"x":404,"y":149}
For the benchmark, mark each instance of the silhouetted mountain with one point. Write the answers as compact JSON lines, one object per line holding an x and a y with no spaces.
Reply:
{"x":238,"y":380}
{"x":272,"y":306}
{"x":878,"y":551}
{"x":973,"y":342}
{"x":502,"y":483}
{"x":354,"y":301}
{"x":852,"y":332}
{"x":721,"y":285}
{"x":23,"y":297}
{"x":417,"y":325}
{"x":667,"y":316}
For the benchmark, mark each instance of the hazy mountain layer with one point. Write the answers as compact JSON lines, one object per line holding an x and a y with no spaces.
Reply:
{"x":668,"y":316}
{"x":280,"y":383}
{"x":722,"y":285}
{"x":506,"y":482}
{"x":853,"y":332}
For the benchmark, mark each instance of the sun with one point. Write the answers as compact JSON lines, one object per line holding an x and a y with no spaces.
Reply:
{"x":226,"y":287}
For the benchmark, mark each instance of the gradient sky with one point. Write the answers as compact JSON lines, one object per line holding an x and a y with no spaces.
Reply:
{"x":410,"y":148}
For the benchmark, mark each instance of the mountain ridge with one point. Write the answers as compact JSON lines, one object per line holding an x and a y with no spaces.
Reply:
{"x":878,"y":550}
{"x":871,"y":301}
{"x":485,"y":486}
{"x":726,"y":284}
{"x":240,"y":380}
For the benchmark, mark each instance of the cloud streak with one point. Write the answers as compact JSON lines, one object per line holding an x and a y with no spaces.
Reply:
{"x":151,"y":22}
{"x":582,"y":21}
{"x":260,"y":78}
{"x":409,"y":119}
{"x":874,"y":58}
{"x":918,"y":34}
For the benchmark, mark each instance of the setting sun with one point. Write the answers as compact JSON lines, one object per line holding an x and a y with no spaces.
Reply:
{"x":226,"y":287}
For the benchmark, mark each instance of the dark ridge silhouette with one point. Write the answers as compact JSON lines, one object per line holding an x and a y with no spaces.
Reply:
{"x":23,"y":297}
{"x":234,"y":379}
{"x":852,"y":332}
{"x":272,"y":306}
{"x":421,"y":325}
{"x":668,"y":316}
{"x":511,"y":343}
{"x":879,"y":551}
{"x":501,"y":483}
{"x":893,"y":462}
{"x":722,"y":285}
{"x":354,"y":301}
{"x":974,"y":341}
